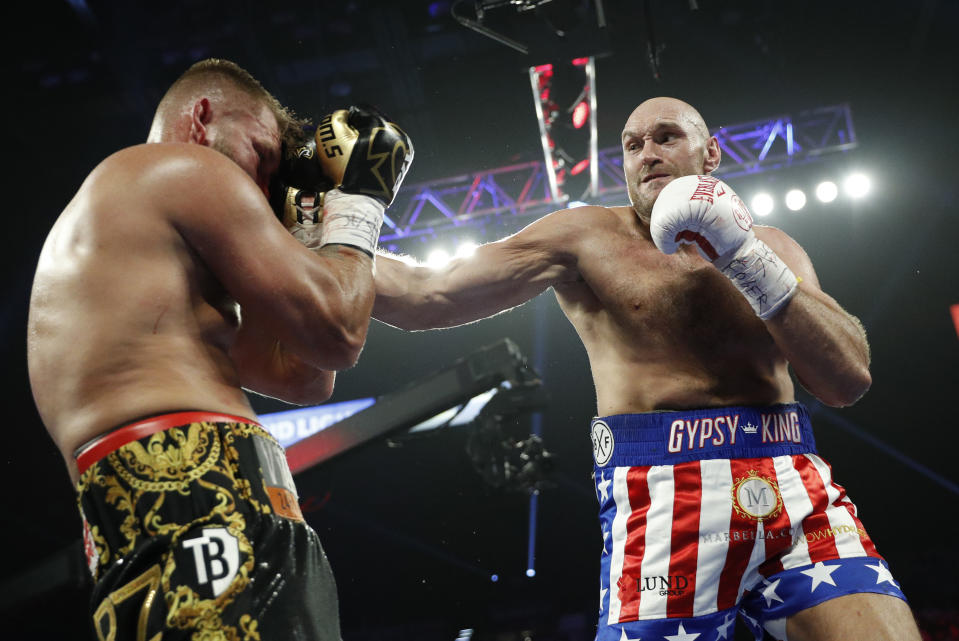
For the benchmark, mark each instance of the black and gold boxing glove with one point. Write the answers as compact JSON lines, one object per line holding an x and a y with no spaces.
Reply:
{"x":366,"y":157}
{"x":297,"y":191}
{"x":364,"y":153}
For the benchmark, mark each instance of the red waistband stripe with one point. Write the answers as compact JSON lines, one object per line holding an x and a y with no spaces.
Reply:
{"x":99,"y":447}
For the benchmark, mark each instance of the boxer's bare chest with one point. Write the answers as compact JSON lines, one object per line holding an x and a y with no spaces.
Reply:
{"x":681,"y":303}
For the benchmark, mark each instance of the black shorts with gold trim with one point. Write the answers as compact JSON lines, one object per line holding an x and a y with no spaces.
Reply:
{"x":192,"y":531}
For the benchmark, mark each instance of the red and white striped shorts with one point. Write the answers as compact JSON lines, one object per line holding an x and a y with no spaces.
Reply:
{"x":707,"y":514}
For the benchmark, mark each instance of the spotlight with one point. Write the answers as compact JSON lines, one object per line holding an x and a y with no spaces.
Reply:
{"x":795,"y":199}
{"x":494,"y":578}
{"x":827,"y":191}
{"x":762,"y":204}
{"x":530,"y":572}
{"x":466,"y":248}
{"x":580,"y":114}
{"x":857,"y":185}
{"x":579,"y":167}
{"x":437,"y":258}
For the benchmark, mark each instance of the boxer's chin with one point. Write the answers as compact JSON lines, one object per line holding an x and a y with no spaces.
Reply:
{"x":642,"y":205}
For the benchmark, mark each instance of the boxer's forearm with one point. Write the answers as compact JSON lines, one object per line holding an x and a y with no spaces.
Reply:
{"x":826,"y":347}
{"x":414,"y":297}
{"x":498,"y":277}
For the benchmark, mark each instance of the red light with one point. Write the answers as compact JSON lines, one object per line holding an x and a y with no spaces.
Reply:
{"x":580,"y":62}
{"x":544,"y":69}
{"x":580,"y":112}
{"x":579,"y":167}
{"x":955,"y":317}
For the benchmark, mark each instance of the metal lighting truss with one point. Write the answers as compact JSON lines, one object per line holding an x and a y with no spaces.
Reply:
{"x":522,"y":191}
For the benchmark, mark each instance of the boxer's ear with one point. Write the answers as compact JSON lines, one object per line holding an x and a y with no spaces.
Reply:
{"x":199,"y":119}
{"x":713,"y":155}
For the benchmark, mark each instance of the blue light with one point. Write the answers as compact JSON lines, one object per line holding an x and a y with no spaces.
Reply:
{"x":531,"y":573}
{"x":494,"y":578}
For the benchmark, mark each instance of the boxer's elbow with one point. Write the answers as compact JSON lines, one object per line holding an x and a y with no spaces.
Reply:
{"x":311,"y":390}
{"x":331,"y":338}
{"x":343,"y":344}
{"x":848,"y":389}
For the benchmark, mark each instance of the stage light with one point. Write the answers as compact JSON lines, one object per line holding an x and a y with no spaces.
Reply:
{"x":494,"y":578}
{"x":465,"y":249}
{"x":762,"y":204}
{"x":437,"y":258}
{"x":795,"y":199}
{"x":857,"y":185}
{"x":580,"y":114}
{"x":531,"y":573}
{"x":579,"y":167}
{"x":827,"y":191}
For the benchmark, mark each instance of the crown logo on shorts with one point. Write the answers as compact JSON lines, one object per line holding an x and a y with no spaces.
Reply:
{"x":749,"y":428}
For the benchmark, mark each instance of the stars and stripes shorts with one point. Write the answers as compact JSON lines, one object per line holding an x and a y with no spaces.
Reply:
{"x":710,"y":514}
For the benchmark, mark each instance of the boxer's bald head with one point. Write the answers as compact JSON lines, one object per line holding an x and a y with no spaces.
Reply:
{"x":664,"y":108}
{"x":664,"y":138}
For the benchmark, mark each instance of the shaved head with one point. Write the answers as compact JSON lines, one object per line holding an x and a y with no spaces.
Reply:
{"x":663,"y":139}
{"x":674,"y":108}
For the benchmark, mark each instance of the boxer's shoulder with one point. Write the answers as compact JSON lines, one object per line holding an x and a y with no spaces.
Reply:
{"x":586,"y":222}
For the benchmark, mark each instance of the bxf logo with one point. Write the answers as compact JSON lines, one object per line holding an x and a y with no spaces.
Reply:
{"x":217,"y":557}
{"x":603,"y":444}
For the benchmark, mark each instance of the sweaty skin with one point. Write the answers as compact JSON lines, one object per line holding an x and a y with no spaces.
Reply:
{"x":137,"y":298}
{"x":661,"y":331}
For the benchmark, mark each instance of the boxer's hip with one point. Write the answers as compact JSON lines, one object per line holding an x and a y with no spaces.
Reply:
{"x":191,"y":521}
{"x":157,"y":477}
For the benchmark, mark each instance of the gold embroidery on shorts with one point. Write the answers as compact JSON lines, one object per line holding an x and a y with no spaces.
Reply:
{"x":136,"y":483}
{"x":156,"y":468}
{"x":149,"y":580}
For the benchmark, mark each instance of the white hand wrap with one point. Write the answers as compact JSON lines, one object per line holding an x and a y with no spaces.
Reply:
{"x":762,"y":277}
{"x":705,"y":212}
{"x":300,"y":210}
{"x":308,"y":234}
{"x":352,"y":219}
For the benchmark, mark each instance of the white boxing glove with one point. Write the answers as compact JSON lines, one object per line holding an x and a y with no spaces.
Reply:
{"x":706,"y":212}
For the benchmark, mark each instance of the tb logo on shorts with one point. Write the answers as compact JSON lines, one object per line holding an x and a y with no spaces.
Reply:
{"x":603,"y":443}
{"x":216,"y":555}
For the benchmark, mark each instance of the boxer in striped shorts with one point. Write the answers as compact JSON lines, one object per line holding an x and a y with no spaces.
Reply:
{"x":712,"y":513}
{"x":713,"y":501}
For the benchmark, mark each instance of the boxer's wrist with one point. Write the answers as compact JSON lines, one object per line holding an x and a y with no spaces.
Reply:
{"x":352,"y":219}
{"x":309,"y":234}
{"x":760,"y":275}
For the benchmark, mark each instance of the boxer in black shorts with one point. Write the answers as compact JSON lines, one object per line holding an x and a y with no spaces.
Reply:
{"x":191,"y":525}
{"x":170,"y":282}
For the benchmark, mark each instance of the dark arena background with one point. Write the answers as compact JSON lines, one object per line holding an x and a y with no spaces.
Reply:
{"x":482,"y":525}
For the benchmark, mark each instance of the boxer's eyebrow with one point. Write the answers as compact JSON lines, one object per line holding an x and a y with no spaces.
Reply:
{"x":658,"y":125}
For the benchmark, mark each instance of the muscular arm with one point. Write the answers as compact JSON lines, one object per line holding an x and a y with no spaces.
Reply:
{"x":316,"y":305}
{"x":266,"y":367}
{"x":825,"y":345}
{"x":498,"y":276}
